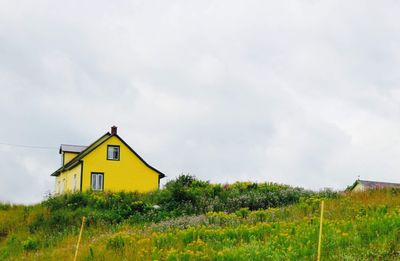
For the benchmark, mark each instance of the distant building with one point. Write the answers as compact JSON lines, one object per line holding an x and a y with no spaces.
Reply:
{"x":362,"y":185}
{"x":108,"y":164}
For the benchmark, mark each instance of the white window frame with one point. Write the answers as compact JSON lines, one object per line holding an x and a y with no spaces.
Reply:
{"x":97,"y":181}
{"x":113,"y":152}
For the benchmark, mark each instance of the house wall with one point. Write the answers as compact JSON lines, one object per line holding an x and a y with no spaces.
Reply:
{"x":68,"y":156}
{"x":127,"y":174}
{"x":359,"y":187}
{"x":67,"y":178}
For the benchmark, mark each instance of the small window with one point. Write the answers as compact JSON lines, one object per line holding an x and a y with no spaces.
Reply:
{"x":74,"y":182}
{"x":63,"y":186}
{"x":97,"y":181}
{"x":112,"y":152}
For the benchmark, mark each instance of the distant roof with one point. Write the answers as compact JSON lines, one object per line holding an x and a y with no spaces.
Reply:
{"x":376,"y":184}
{"x":71,"y":148}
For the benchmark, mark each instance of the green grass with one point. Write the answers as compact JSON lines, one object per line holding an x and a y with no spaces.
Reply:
{"x":363,"y":226}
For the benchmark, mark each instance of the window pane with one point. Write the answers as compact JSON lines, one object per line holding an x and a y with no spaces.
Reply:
{"x":110,"y":152}
{"x":100,"y":181}
{"x":93,"y":181}
{"x":116,"y":152}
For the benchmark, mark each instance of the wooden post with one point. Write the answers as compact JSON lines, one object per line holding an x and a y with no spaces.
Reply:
{"x":320,"y":231}
{"x":79,"y":239}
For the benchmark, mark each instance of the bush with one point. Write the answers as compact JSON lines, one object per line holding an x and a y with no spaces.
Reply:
{"x":185,"y":195}
{"x":243,"y":212}
{"x":4,"y":206}
{"x":30,"y":244}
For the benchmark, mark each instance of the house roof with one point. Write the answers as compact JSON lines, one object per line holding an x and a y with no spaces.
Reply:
{"x":71,"y":148}
{"x":375,"y":184}
{"x":78,"y":159}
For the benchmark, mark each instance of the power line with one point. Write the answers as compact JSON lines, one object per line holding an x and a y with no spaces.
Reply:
{"x":27,"y":146}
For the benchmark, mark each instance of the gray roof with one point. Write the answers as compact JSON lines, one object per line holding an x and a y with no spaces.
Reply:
{"x":71,"y":148}
{"x":86,"y":150}
{"x":377,"y":184}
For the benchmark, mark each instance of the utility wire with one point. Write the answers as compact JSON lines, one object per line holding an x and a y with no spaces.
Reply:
{"x":27,"y":146}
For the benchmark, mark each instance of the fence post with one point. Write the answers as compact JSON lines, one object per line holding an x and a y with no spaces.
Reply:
{"x":79,"y":239}
{"x":320,"y":231}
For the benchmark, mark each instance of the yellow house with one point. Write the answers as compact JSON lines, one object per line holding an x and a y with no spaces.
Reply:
{"x":108,"y":164}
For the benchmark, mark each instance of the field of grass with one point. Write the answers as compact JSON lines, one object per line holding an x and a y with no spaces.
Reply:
{"x":363,"y":226}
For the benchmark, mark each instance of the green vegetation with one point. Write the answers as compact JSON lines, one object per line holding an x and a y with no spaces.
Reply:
{"x":183,"y":196}
{"x":196,"y":220}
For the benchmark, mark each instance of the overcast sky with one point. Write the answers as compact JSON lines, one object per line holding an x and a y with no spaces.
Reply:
{"x":305,"y":93}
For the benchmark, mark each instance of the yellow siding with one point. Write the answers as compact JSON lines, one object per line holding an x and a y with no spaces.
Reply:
{"x":127,"y":174}
{"x":67,"y":178}
{"x":68,"y":156}
{"x":358,"y":188}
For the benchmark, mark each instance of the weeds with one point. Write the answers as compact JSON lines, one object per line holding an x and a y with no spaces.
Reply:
{"x":198,"y":221}
{"x":30,"y":244}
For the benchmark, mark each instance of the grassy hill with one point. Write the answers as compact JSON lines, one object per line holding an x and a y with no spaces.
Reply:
{"x":195,"y":220}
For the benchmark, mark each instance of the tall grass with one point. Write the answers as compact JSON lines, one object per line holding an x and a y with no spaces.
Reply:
{"x":362,"y":226}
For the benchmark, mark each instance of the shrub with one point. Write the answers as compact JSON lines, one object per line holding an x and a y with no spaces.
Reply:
{"x":4,"y":206}
{"x":258,"y":216}
{"x":30,"y":244}
{"x":139,"y":206}
{"x":243,"y":212}
{"x":185,"y":189}
{"x":185,"y":195}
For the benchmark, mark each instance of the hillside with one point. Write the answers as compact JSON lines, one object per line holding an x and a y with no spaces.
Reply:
{"x":195,"y":220}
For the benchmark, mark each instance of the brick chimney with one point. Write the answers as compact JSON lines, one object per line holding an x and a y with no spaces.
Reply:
{"x":114,"y":130}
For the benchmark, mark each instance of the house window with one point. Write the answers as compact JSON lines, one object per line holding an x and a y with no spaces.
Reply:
{"x":74,"y":182}
{"x":97,"y":181}
{"x":112,"y":152}
{"x":63,"y":186}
